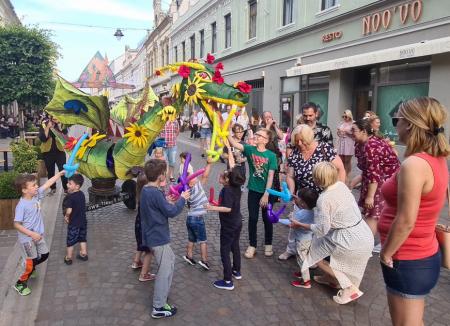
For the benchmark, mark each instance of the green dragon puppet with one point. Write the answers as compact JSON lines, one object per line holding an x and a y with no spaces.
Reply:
{"x":102,"y":156}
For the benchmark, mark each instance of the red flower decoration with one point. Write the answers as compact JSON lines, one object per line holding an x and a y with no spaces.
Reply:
{"x":158,"y":72}
{"x":210,"y":58}
{"x":217,"y":78}
{"x":71,"y":143}
{"x":219,"y":66}
{"x":243,"y":87}
{"x":184,"y":71}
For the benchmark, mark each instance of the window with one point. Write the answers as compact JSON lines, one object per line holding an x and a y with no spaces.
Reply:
{"x":183,"y":49}
{"x":287,"y":11}
{"x":192,"y":46}
{"x":213,"y":37}
{"x":328,"y":4}
{"x":202,"y":43}
{"x":162,"y":56}
{"x":167,"y":53}
{"x":228,"y":31}
{"x":175,"y":50}
{"x":252,"y":19}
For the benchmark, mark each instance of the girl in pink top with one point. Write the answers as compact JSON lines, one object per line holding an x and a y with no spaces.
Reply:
{"x":414,"y":196}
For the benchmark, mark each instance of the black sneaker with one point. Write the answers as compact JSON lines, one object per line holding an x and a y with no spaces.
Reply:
{"x":67,"y":261}
{"x":237,"y":275}
{"x":204,"y":264}
{"x":163,"y":312}
{"x":83,"y":258}
{"x":190,"y":261}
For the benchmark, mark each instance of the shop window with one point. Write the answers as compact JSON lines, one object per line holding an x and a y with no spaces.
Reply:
{"x":252,"y":19}
{"x":227,"y":31}
{"x":202,"y":43}
{"x":404,"y":72}
{"x":291,"y":85}
{"x":326,"y":4}
{"x":213,"y":37}
{"x":288,"y":8}
{"x":314,"y":88}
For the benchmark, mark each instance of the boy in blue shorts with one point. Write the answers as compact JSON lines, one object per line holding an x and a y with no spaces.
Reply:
{"x":74,"y":207}
{"x":30,"y":226}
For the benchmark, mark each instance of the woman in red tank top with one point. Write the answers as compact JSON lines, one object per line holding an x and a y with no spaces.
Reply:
{"x":414,"y":197}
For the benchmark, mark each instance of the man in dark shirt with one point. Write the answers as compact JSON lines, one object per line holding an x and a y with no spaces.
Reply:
{"x":322,"y":133}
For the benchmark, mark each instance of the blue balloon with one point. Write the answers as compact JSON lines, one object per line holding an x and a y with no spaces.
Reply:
{"x":70,"y":167}
{"x":285,"y":195}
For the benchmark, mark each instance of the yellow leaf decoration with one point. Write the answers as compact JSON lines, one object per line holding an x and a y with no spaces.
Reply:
{"x":137,"y":135}
{"x":89,"y":143}
{"x":168,"y":113}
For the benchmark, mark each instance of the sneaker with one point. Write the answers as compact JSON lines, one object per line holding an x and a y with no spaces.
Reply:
{"x":237,"y":275}
{"x":204,"y":264}
{"x":33,"y":274}
{"x":301,"y":284}
{"x":224,"y":285}
{"x":322,"y":280}
{"x":268,"y":252}
{"x":377,"y":248}
{"x":285,"y":256}
{"x":163,"y":312}
{"x":250,"y":252}
{"x":83,"y":258}
{"x":146,"y":277}
{"x":347,"y":295}
{"x":188,"y":260}
{"x":297,"y":274}
{"x":135,"y":265}
{"x":22,"y":289}
{"x":67,"y":261}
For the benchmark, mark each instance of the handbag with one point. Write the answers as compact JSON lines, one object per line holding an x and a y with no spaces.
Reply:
{"x":443,"y":237}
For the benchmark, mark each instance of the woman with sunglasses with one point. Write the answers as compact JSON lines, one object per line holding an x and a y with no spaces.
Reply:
{"x":410,"y":258}
{"x":346,"y":144}
{"x":377,"y":162}
{"x":262,"y":164}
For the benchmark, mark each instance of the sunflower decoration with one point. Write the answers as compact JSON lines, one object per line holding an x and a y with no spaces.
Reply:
{"x":168,"y":113}
{"x":176,"y":90}
{"x":137,"y":135}
{"x":194,"y":90}
{"x":89,"y":143}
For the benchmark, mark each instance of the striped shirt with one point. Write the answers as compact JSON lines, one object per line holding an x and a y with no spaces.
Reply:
{"x":197,"y":201}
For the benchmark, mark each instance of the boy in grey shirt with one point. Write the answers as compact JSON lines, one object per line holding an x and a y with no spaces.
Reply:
{"x":30,"y":226}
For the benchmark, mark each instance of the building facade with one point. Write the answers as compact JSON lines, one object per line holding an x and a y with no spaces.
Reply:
{"x":340,"y":54}
{"x":7,"y":13}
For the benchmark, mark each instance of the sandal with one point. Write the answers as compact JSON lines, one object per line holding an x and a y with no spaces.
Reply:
{"x":136,"y":265}
{"x":147,"y":277}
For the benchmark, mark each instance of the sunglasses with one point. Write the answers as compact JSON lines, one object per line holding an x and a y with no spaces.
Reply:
{"x":395,"y":120}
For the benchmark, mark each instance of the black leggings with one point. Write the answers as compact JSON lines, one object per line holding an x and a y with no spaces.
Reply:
{"x":58,"y":158}
{"x":253,"y":214}
{"x":229,"y":242}
{"x":194,"y":129}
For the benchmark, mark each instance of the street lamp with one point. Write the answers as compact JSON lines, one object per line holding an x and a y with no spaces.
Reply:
{"x":118,"y":34}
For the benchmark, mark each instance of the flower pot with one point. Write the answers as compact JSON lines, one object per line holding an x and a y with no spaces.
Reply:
{"x":8,"y":209}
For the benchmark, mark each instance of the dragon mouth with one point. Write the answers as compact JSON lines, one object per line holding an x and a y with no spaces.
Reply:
{"x":214,"y":101}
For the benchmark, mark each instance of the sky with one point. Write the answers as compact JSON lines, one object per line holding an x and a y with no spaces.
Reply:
{"x":78,"y":44}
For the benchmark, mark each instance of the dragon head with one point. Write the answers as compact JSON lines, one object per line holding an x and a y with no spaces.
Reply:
{"x":203,"y":84}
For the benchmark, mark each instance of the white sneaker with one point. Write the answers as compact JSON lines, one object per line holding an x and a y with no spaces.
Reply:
{"x":347,"y":295}
{"x":250,"y":252}
{"x":268,"y":252}
{"x":285,"y":256}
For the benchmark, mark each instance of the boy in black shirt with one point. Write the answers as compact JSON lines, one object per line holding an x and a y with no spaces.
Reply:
{"x":74,"y":208}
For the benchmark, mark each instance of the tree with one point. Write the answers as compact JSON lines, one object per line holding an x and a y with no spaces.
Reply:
{"x":27,"y":61}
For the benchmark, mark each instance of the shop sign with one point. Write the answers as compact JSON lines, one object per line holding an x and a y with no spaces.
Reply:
{"x":331,"y":36}
{"x":411,"y":10}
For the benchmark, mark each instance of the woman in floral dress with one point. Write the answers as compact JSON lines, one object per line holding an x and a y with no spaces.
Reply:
{"x":377,"y":162}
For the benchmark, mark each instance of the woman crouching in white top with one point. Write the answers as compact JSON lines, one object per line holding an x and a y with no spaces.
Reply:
{"x":339,"y":232}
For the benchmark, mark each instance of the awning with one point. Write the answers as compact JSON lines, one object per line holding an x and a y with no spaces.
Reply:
{"x":414,"y":50}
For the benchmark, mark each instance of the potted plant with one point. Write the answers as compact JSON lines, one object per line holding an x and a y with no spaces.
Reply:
{"x":24,"y":157}
{"x":9,"y":197}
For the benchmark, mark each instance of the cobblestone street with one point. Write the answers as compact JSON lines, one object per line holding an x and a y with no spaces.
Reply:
{"x":105,"y":291}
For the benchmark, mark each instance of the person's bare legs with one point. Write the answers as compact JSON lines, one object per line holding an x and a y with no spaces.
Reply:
{"x":329,"y":274}
{"x":406,"y":312}
{"x":147,"y":261}
{"x":190,"y":249}
{"x":347,"y":161}
{"x":372,"y":223}
{"x":137,"y":257}
{"x":69,"y":252}
{"x":83,"y":249}
{"x":204,"y":251}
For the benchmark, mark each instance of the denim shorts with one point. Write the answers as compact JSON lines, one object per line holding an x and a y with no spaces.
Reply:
{"x":76,"y":234}
{"x":170,"y":154}
{"x":196,"y":229}
{"x":205,"y":133}
{"x":412,"y":279}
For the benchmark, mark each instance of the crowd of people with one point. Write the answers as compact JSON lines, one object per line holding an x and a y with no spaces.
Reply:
{"x":9,"y":124}
{"x":397,"y":209}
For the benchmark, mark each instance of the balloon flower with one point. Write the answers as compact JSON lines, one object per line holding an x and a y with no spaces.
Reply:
{"x":212,"y":153}
{"x":70,"y":167}
{"x":183,"y":185}
{"x":274,"y":217}
{"x":211,"y":198}
{"x":285,"y":194}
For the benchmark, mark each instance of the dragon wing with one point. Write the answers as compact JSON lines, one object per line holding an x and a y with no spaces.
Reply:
{"x":71,"y":106}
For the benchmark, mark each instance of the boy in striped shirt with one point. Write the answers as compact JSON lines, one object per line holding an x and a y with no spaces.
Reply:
{"x":195,"y":222}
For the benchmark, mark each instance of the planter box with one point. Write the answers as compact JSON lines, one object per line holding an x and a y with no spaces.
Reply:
{"x":7,"y":209}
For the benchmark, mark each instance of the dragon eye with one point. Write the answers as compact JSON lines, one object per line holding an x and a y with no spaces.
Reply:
{"x":204,"y":75}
